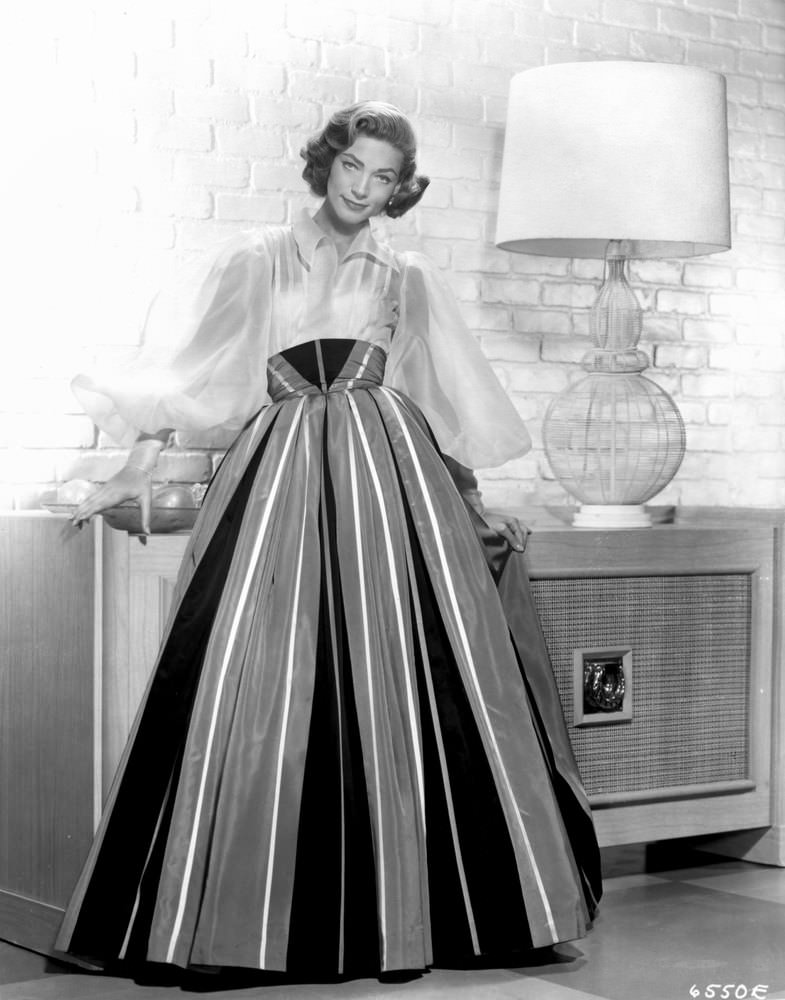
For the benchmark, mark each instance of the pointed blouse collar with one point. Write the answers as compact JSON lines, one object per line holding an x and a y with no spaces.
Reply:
{"x":308,"y":235}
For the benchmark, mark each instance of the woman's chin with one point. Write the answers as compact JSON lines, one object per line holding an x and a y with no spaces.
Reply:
{"x":350,"y":217}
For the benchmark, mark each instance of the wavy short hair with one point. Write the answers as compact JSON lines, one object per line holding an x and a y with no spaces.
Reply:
{"x":380,"y":121}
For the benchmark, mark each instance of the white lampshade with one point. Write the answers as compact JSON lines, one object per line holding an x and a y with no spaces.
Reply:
{"x":599,"y":151}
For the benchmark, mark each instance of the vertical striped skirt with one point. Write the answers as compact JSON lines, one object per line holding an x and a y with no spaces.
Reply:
{"x":350,"y":757}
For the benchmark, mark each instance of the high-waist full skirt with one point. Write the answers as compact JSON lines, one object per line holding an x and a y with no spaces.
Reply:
{"x":351,"y":753}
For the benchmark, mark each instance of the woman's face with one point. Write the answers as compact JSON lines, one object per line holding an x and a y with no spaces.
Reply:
{"x":362,"y":180}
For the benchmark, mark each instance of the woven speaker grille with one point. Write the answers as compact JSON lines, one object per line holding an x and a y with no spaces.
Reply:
{"x":690,"y":641}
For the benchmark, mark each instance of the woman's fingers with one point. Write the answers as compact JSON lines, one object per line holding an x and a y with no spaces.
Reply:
{"x":509,"y":527}
{"x":95,"y":503}
{"x":128,"y":484}
{"x":523,"y":534}
{"x":145,"y":505}
{"x":515,"y":536}
{"x":513,"y":539}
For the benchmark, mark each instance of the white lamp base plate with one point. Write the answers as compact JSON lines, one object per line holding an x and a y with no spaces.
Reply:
{"x":611,"y":516}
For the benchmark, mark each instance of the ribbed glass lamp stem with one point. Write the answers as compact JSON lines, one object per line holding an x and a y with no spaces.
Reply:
{"x":614,"y":438}
{"x":616,"y":318}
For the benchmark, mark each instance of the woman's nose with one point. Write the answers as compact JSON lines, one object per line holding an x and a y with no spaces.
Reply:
{"x":360,"y":185}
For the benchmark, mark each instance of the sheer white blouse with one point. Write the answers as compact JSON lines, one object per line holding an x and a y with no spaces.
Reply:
{"x":203,"y":364}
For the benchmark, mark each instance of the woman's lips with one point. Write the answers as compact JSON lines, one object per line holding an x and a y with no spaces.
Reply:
{"x":356,"y":206}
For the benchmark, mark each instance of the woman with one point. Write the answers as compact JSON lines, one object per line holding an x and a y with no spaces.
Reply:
{"x":350,"y":758}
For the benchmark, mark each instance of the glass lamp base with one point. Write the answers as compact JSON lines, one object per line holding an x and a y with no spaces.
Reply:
{"x":632,"y":515}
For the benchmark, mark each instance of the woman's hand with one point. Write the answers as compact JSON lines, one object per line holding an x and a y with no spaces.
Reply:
{"x":130,"y":483}
{"x":508,"y":527}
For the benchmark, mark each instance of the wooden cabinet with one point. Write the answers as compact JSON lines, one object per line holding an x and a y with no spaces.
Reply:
{"x":697,"y":606}
{"x":81,"y":612}
{"x":49,"y":719}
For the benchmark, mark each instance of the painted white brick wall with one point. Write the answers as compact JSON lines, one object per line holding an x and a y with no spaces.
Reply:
{"x":145,"y":132}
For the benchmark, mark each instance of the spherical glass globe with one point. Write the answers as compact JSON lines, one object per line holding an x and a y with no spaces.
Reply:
{"x":614,"y":438}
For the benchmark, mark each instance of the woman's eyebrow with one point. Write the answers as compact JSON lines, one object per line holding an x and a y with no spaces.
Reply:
{"x":381,"y":170}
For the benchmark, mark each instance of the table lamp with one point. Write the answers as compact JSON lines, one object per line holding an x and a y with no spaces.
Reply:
{"x":615,"y":160}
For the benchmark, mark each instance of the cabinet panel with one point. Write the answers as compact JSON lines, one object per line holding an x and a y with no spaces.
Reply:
{"x":138,"y":581}
{"x":48,"y":688}
{"x":695,"y":611}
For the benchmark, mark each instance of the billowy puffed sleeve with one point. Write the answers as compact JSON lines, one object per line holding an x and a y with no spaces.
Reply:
{"x":202,"y":367}
{"x":436,"y":361}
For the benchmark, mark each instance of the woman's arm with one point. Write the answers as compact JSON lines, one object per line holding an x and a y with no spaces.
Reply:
{"x":438,"y":363}
{"x":503,"y":524}
{"x":133,"y":482}
{"x":466,"y":483}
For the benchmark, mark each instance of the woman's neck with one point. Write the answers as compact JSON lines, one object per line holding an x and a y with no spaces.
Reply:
{"x":341,"y":233}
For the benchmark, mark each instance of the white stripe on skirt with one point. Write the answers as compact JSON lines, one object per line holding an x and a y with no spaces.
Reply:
{"x":381,"y":864}
{"x":437,"y":730}
{"x":285,"y":718}
{"x":396,"y":594}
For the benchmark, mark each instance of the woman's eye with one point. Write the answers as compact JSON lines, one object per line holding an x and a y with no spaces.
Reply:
{"x":348,"y":165}
{"x":384,"y":180}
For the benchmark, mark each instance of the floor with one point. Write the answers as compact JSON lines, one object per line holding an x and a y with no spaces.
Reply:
{"x":674,"y":922}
